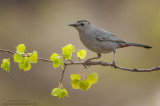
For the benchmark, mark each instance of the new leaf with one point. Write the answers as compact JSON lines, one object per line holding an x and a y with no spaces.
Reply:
{"x":75,"y":77}
{"x":92,"y":78}
{"x":5,"y":64}
{"x":75,"y":80}
{"x":21,"y":48}
{"x":62,"y":63}
{"x":56,"y":60}
{"x":25,"y":65}
{"x":17,"y":58}
{"x":84,"y":85}
{"x":75,"y":84}
{"x":82,"y":54}
{"x":67,"y":51}
{"x":34,"y":57}
{"x":61,"y":93}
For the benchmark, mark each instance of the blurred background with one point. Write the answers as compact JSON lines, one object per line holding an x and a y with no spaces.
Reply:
{"x":42,"y":25}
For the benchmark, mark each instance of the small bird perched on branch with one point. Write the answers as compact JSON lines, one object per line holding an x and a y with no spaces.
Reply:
{"x":99,"y":40}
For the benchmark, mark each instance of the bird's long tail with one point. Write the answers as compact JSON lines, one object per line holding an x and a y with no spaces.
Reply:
{"x":138,"y":45}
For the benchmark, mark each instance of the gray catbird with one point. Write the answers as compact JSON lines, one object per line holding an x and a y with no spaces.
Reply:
{"x":99,"y":40}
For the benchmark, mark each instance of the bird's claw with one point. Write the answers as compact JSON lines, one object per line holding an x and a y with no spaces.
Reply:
{"x":114,"y":65}
{"x":86,"y":63}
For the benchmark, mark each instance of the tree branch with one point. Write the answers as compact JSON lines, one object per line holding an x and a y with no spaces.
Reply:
{"x":156,"y":68}
{"x":46,"y":60}
{"x":63,"y":73}
{"x":116,"y":66}
{"x":6,"y":51}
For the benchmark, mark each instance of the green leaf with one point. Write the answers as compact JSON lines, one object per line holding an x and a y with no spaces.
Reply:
{"x":17,"y":58}
{"x":75,"y":77}
{"x":67,"y":51}
{"x":53,"y":56}
{"x":64,"y":93}
{"x":29,"y":54}
{"x":61,"y":93}
{"x":25,"y":65}
{"x":56,"y":91}
{"x":75,"y":80}
{"x":82,"y":54}
{"x":89,"y":85}
{"x":92,"y":78}
{"x":84,"y":85}
{"x":56,"y":60}
{"x":75,"y":84}
{"x":33,"y":57}
{"x":62,"y":63}
{"x":56,"y":63}
{"x":21,"y":65}
{"x":21,"y":48}
{"x":6,"y":64}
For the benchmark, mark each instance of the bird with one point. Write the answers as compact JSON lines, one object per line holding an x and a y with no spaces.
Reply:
{"x":99,"y":40}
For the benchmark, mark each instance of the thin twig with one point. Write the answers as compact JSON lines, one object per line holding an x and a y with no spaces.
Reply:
{"x":46,"y":60}
{"x":6,"y":51}
{"x":63,"y":73}
{"x":70,"y":61}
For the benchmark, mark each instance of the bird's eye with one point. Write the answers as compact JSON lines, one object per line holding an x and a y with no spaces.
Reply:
{"x":82,"y":24}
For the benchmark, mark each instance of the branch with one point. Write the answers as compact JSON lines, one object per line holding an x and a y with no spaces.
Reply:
{"x":25,"y":59}
{"x":116,"y":66}
{"x":156,"y":68}
{"x":6,"y":51}
{"x":46,"y":60}
{"x":63,"y":73}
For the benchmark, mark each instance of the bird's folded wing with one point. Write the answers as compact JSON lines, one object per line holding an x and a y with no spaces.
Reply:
{"x":106,"y":36}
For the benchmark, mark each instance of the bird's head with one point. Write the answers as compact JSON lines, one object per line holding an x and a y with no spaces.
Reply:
{"x":81,"y":25}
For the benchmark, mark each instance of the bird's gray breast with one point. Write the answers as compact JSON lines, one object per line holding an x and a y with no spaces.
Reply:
{"x":89,"y":40}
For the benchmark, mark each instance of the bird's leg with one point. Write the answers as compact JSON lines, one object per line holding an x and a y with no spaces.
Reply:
{"x":114,"y":63}
{"x":87,"y":62}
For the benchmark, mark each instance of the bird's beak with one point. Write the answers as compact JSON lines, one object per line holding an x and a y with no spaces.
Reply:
{"x":73,"y":24}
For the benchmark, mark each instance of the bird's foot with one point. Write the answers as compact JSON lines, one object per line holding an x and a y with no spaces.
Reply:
{"x":86,"y":63}
{"x":114,"y":64}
